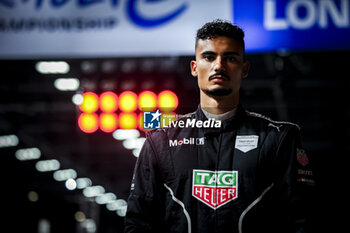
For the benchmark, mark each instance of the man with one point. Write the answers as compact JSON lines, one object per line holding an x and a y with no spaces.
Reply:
{"x":250,"y":174}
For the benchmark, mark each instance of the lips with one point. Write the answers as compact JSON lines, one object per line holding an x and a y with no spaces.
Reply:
{"x":219,"y":77}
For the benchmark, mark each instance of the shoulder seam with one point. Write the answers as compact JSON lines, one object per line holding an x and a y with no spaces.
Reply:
{"x":258,"y":115}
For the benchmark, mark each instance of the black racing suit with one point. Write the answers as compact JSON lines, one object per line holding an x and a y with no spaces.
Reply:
{"x":249,"y":175}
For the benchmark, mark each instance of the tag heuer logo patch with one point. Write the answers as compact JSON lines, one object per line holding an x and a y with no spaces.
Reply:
{"x":215,"y":188}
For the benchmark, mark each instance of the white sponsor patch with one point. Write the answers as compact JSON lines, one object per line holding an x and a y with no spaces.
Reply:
{"x":187,"y":141}
{"x":246,"y":143}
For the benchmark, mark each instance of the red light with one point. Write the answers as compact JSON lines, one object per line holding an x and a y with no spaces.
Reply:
{"x":108,"y":122}
{"x":167,"y":101}
{"x":88,"y":122}
{"x":108,"y":101}
{"x":140,"y":121}
{"x":147,"y":101}
{"x":130,"y":104}
{"x":90,"y":102}
{"x":128,"y":101}
{"x":128,"y":120}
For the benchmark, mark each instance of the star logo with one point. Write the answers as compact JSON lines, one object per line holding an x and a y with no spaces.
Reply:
{"x":151,"y":120}
{"x":155,"y":115}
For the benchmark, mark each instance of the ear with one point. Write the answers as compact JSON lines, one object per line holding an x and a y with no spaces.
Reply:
{"x":194,"y":68}
{"x":245,"y":70}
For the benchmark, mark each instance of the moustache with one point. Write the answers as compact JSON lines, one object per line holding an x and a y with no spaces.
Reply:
{"x":225,"y":76}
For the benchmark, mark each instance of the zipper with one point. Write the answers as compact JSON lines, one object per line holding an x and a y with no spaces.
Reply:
{"x":217,"y":169}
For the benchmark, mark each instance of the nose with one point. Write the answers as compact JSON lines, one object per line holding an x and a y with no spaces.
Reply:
{"x":219,"y":64}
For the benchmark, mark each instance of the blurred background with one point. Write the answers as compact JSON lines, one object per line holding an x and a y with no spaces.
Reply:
{"x":75,"y":73}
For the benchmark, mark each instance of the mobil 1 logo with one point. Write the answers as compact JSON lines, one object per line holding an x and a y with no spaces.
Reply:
{"x":215,"y":188}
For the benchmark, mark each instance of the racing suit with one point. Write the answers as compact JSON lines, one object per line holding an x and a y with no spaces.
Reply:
{"x":249,"y":175}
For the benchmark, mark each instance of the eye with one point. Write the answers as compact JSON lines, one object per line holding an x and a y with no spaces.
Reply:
{"x":232,"y":59}
{"x":209,"y":57}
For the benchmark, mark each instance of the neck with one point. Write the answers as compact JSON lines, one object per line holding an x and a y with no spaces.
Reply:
{"x":218,"y":104}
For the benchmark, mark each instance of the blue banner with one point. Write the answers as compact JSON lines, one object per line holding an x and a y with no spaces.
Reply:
{"x":271,"y":25}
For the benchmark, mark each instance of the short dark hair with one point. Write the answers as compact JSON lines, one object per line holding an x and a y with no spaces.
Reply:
{"x":218,"y":28}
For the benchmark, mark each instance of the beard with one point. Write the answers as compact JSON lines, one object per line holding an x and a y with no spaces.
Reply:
{"x":218,"y":92}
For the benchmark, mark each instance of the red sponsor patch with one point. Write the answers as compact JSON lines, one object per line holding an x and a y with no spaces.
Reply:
{"x":215,"y":188}
{"x":302,"y":157}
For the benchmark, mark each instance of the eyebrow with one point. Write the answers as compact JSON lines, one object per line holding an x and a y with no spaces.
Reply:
{"x":225,"y":53}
